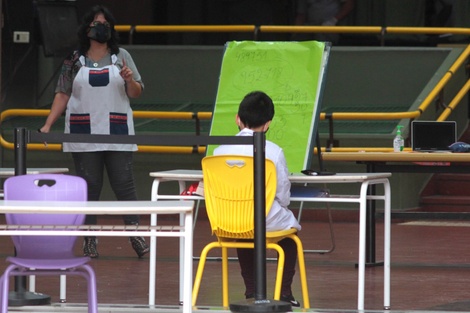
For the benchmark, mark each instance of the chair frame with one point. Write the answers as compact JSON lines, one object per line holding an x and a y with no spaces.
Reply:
{"x":84,"y":270}
{"x":69,"y":188}
{"x":272,"y":239}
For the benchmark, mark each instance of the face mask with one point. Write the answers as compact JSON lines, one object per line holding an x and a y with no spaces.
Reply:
{"x":100,"y":32}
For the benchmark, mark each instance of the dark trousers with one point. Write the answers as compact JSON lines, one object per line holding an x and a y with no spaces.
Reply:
{"x":90,"y":166}
{"x":246,"y":260}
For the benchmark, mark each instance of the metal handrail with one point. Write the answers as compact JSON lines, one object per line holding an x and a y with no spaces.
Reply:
{"x":408,"y":114}
{"x":137,"y":114}
{"x":324,"y":116}
{"x":185,"y":28}
{"x":382,"y":31}
{"x":282,"y":29}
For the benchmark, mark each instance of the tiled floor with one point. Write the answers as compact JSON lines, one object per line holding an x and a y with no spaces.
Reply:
{"x":430,"y":270}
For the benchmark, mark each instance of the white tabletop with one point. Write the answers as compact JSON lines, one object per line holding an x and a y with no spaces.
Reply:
{"x":338,"y":177}
{"x":176,"y":174}
{"x":295,"y":177}
{"x":8,"y":172}
{"x":96,"y":207}
{"x":396,"y":156}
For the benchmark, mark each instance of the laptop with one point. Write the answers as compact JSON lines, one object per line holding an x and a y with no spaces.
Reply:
{"x":433,"y":136}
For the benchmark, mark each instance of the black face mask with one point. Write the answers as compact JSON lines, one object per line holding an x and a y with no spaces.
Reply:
{"x":100,"y":33}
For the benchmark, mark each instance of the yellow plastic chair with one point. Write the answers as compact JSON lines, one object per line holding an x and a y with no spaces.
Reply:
{"x":229,"y":198}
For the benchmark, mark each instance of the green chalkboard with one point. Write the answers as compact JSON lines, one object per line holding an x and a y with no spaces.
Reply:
{"x":291,"y":73}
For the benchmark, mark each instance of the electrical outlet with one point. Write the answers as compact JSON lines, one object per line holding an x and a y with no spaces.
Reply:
{"x":21,"y":37}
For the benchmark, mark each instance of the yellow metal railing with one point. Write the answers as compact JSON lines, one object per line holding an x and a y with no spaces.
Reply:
{"x":379,"y":30}
{"x":423,"y":106}
{"x":256,"y":30}
{"x":137,"y":114}
{"x":324,"y":116}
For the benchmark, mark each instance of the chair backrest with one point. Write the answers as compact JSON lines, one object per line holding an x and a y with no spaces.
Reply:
{"x":229,"y":194}
{"x":45,"y":187}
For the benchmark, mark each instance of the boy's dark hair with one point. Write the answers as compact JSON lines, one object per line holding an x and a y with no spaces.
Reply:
{"x":256,"y":109}
{"x":84,"y":41}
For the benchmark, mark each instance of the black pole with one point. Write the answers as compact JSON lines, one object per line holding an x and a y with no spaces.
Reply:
{"x":20,"y":151}
{"x":20,"y":296}
{"x":259,"y":175}
{"x":260,"y":303}
{"x":20,"y":169}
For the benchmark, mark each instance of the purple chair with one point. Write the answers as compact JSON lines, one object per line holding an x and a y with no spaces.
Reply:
{"x":46,"y":255}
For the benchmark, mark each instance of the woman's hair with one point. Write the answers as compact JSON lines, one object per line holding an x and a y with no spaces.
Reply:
{"x":256,"y":109}
{"x":84,"y":41}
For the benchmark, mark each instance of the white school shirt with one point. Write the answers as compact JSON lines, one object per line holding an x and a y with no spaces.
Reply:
{"x":99,"y":105}
{"x":279,"y":217}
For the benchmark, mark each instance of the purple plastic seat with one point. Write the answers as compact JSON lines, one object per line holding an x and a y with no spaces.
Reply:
{"x":46,"y":255}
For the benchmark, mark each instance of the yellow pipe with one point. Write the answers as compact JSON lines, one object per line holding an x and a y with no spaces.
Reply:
{"x":295,"y":28}
{"x":371,"y":116}
{"x":447,"y":76}
{"x":320,"y":29}
{"x":428,"y":30}
{"x":123,"y":28}
{"x":462,"y":93}
{"x":360,"y":149}
{"x":195,"y":28}
{"x":138,"y":114}
{"x":164,"y":115}
{"x":22,"y":112}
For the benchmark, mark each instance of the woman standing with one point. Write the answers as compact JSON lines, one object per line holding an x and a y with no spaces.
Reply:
{"x":94,"y":88}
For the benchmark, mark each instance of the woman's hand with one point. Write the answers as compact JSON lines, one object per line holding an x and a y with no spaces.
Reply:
{"x":44,"y":129}
{"x":126,"y":73}
{"x":58,"y":107}
{"x":133,"y":88}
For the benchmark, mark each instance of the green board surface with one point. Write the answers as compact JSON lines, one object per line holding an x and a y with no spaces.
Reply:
{"x":291,"y":73}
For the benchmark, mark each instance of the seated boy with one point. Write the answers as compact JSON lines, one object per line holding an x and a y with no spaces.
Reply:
{"x":255,"y":113}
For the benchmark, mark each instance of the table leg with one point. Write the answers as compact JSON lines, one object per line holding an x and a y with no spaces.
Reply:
{"x":387,"y":243}
{"x":370,"y":226}
{"x":362,"y":240}
{"x":152,"y":261}
{"x":362,"y":246}
{"x":187,"y":257}
{"x":182,"y":187}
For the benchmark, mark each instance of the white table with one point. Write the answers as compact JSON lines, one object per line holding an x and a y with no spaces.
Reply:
{"x":365,"y":179}
{"x":183,"y":230}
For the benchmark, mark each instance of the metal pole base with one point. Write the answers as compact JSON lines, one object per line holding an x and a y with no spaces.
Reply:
{"x":27,"y":298}
{"x":251,"y":305}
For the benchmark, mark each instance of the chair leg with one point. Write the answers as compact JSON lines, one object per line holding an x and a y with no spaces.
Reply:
{"x":225,"y":276}
{"x":63,"y":289}
{"x":4,"y":283}
{"x":200,"y":270}
{"x":4,"y":294}
{"x":32,"y":283}
{"x":280,"y":268}
{"x":302,"y":271}
{"x":88,"y":272}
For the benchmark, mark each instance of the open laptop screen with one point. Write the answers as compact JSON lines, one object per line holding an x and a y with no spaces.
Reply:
{"x":432,"y":135}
